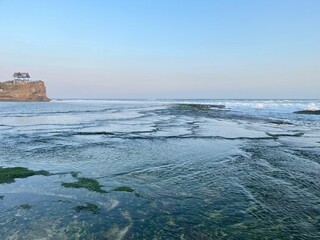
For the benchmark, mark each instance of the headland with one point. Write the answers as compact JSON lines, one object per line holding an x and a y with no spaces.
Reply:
{"x":23,"y":91}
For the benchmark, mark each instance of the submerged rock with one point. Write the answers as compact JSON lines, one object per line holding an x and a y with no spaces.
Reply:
{"x":199,"y":106}
{"x":87,"y":183}
{"x":313,"y":112}
{"x":8,"y":175}
{"x":25,"y":206}
{"x":89,"y":207}
{"x":123,"y":189}
{"x":280,"y":122}
{"x":23,"y":91}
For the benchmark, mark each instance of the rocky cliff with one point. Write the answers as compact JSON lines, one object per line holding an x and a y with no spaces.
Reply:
{"x":23,"y":91}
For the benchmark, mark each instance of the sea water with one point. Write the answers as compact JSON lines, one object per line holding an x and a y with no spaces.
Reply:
{"x":161,"y":169}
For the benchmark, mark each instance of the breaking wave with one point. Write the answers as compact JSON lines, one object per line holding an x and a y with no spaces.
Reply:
{"x":311,"y":107}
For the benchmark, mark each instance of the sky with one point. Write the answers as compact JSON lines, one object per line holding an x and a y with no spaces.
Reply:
{"x":164,"y":49}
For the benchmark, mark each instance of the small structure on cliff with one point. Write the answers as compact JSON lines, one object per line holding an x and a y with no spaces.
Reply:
{"x":21,"y":76}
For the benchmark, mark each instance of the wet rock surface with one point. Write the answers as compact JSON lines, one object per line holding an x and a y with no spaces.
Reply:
{"x":312,"y":112}
{"x":163,"y":172}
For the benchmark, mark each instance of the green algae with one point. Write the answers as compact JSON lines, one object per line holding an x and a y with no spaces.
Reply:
{"x":89,"y":207}
{"x":25,"y":206}
{"x":8,"y":175}
{"x":87,"y":183}
{"x":123,"y":189}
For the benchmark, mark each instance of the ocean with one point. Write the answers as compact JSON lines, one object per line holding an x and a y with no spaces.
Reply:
{"x":160,"y":169}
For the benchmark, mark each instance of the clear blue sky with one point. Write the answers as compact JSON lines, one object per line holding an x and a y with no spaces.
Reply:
{"x":165,"y":48}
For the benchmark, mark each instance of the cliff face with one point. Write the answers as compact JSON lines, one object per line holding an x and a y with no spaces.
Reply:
{"x":23,"y":91}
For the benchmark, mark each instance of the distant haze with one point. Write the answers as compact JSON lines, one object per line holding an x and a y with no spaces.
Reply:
{"x":164,"y":49}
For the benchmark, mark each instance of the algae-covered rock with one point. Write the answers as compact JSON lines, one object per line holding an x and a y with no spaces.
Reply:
{"x":87,"y":183}
{"x":8,"y":175}
{"x":25,"y":206}
{"x":89,"y":207}
{"x":123,"y":189}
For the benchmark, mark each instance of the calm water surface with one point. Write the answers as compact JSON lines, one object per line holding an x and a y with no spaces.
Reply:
{"x":161,"y":170}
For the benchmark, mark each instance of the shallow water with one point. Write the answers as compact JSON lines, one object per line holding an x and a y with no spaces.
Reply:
{"x":156,"y":170}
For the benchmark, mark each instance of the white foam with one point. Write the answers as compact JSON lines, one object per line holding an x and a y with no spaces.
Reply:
{"x":258,"y":106}
{"x":312,"y":107}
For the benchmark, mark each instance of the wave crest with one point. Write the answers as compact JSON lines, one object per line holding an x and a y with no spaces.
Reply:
{"x":312,"y":107}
